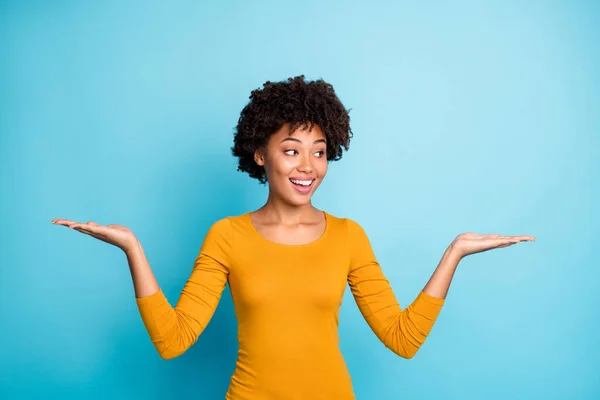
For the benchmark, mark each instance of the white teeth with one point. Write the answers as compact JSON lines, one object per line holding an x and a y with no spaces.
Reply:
{"x":303,"y":183}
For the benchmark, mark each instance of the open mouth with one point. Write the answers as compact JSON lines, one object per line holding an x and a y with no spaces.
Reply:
{"x":302,"y":186}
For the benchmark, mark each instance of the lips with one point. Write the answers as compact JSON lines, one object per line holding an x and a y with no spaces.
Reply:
{"x":301,"y":188}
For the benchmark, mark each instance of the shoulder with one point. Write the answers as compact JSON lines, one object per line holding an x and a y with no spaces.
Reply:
{"x":221,"y":229}
{"x":346,"y":224}
{"x":229,"y":226}
{"x":221,"y":225}
{"x":357,"y":243}
{"x":229,"y":222}
{"x":341,"y":220}
{"x":217,"y":243}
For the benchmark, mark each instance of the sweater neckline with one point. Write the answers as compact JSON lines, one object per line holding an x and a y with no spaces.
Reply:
{"x":264,"y":239}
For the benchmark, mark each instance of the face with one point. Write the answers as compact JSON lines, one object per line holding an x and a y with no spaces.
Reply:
{"x":288,"y":158}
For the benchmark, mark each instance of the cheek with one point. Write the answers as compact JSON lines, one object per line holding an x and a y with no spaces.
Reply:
{"x":284,"y":165}
{"x":322,"y":167}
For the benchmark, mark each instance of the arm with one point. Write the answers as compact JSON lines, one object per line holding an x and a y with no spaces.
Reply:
{"x":174,"y":330}
{"x":144,"y":281}
{"x":439,"y":283}
{"x":402,"y":331}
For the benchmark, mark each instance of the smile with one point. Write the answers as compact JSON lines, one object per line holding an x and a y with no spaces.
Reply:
{"x":302,"y":186}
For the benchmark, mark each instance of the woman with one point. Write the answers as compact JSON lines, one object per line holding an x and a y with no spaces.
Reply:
{"x":288,"y":263}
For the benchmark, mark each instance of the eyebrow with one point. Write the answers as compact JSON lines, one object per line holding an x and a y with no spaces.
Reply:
{"x":299,"y":141}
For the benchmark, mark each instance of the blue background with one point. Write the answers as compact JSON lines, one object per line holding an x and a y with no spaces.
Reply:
{"x":467,"y":116}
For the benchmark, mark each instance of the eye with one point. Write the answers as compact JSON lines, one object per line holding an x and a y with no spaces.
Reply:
{"x":322,"y":153}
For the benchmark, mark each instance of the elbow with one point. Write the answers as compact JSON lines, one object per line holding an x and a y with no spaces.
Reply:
{"x":169,"y":350}
{"x":409,"y":335}
{"x":402,"y":344}
{"x":404,"y":350}
{"x":179,"y":339}
{"x":407,"y":354}
{"x":169,"y":354}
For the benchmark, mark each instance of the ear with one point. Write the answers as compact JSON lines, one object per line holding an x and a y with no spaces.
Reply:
{"x":259,"y":157}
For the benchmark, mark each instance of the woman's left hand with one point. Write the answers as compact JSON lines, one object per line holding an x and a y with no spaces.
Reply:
{"x":471,"y":243}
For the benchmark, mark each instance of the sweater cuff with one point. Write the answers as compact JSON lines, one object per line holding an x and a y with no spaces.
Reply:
{"x":431,"y":299}
{"x":427,"y":305}
{"x":157,"y":297}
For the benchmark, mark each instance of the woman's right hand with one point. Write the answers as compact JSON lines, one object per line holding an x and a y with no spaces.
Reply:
{"x":117,"y":235}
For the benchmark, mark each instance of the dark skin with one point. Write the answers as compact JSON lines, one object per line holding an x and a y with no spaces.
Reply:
{"x":288,"y":217}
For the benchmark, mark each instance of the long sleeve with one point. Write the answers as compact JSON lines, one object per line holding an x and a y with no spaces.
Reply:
{"x":402,"y":331}
{"x":174,"y":330}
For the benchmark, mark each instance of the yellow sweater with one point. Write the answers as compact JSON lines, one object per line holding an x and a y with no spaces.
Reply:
{"x":287,"y":300}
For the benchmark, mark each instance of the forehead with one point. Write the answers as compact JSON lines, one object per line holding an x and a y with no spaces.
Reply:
{"x":301,"y":133}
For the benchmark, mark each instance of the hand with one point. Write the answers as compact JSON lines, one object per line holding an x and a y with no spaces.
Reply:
{"x":117,"y":235}
{"x":471,"y":243}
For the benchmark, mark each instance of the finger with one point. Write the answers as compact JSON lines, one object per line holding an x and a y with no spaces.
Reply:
{"x":92,"y":223}
{"x":511,"y":239}
{"x":507,"y":244}
{"x":91,"y":229}
{"x":96,"y":229}
{"x":71,"y":224}
{"x":61,"y":221}
{"x":88,"y":231}
{"x":505,"y":241}
{"x":523,"y":238}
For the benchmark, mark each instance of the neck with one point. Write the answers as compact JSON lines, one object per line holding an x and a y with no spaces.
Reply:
{"x":277,"y":211}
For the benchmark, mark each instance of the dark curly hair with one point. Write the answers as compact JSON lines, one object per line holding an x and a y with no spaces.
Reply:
{"x":298,"y":102}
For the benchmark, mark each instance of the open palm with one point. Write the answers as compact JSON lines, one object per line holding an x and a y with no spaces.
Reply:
{"x":117,"y":235}
{"x":471,"y":243}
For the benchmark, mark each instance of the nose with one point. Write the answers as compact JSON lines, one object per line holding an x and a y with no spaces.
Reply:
{"x":305,"y":165}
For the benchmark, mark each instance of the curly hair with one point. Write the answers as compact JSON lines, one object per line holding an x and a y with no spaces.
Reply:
{"x":298,"y":102}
